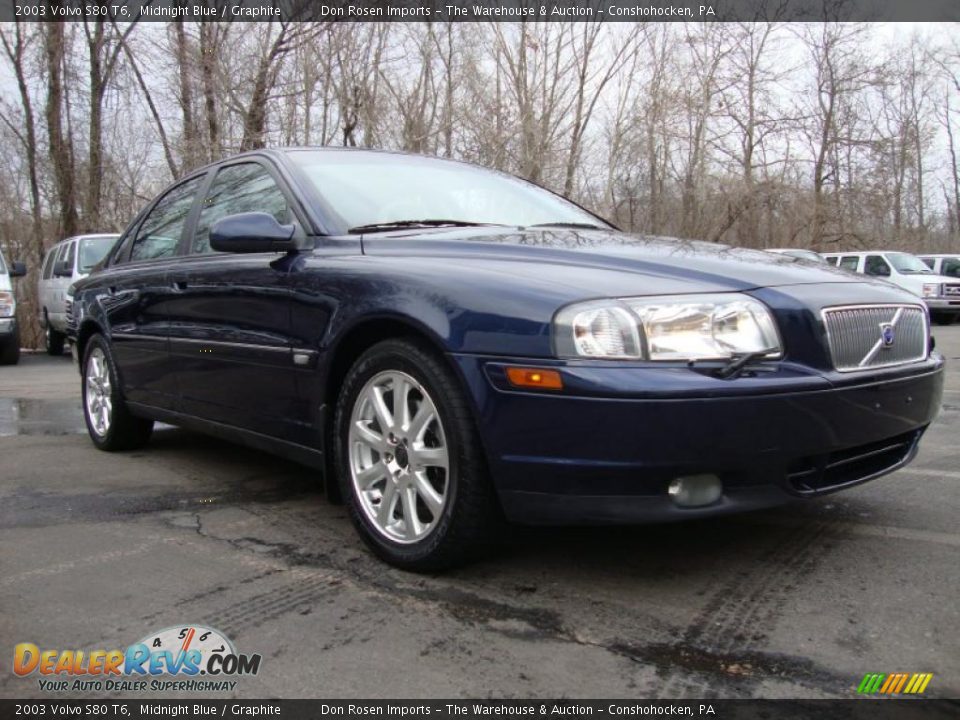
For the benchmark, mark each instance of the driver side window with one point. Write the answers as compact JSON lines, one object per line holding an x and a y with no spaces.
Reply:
{"x":246,"y":187}
{"x":950,"y":268}
{"x":877,"y":266}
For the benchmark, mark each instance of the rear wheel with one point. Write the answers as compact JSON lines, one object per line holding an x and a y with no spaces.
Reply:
{"x":109,"y":422}
{"x":944,"y":318}
{"x":54,"y":340}
{"x":409,"y":459}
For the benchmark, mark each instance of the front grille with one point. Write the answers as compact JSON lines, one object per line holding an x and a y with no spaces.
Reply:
{"x":814,"y":475}
{"x":952,"y":289}
{"x":865,"y":337}
{"x":68,"y":311}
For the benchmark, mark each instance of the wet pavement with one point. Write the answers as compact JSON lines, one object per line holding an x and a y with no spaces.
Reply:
{"x":101,"y":549}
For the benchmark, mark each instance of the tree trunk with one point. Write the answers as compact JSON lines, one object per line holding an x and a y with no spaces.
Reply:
{"x":61,"y":150}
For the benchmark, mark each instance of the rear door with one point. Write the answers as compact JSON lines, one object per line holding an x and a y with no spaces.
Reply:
{"x":230,"y":319}
{"x":46,"y":281}
{"x":137,"y":295}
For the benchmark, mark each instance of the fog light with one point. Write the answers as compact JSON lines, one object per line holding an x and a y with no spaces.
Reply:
{"x":695,"y":490}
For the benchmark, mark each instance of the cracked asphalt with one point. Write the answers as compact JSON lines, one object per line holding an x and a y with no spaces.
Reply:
{"x":99,"y":549}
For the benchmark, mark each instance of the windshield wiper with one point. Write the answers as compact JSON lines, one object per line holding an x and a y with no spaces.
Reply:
{"x":572,"y":225}
{"x":738,"y":363}
{"x":430,"y":222}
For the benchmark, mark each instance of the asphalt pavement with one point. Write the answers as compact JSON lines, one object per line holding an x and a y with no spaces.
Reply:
{"x":100,"y":550}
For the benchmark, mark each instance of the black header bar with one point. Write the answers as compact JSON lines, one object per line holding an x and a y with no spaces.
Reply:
{"x":482,"y":10}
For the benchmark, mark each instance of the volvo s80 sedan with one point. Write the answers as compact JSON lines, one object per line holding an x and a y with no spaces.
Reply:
{"x":455,"y":348}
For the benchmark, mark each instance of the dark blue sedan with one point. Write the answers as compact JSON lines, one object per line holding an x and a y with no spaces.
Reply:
{"x":455,"y":347}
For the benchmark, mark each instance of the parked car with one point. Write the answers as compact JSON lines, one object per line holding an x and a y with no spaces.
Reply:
{"x":940,"y":293}
{"x":9,"y":330}
{"x":67,"y":261}
{"x":800,"y":253}
{"x":943,"y":264}
{"x":454,"y":347}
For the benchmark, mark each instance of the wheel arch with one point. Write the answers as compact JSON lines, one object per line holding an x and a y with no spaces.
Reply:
{"x":351,"y":344}
{"x":84,"y":332}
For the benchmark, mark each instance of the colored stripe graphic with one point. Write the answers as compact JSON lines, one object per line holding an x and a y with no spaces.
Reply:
{"x":894,"y":683}
{"x":871,"y":683}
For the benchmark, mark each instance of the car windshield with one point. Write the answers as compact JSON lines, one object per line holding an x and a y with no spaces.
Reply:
{"x":94,"y":249}
{"x":908,"y":264}
{"x":385,"y":189}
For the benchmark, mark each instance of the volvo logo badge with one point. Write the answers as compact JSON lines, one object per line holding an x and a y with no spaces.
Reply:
{"x":887,"y":334}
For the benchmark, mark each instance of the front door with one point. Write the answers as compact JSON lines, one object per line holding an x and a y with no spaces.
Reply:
{"x":230,"y":320}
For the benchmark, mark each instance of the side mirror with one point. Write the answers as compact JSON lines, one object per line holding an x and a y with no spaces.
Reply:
{"x":63,"y":269}
{"x":17,"y":269}
{"x":252,"y":232}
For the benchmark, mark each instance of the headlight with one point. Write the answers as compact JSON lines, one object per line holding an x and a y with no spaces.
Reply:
{"x":7,"y":304}
{"x":931,"y":290}
{"x":670,"y":327}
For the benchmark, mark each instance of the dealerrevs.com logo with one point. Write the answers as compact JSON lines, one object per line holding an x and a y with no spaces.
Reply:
{"x":182,"y":658}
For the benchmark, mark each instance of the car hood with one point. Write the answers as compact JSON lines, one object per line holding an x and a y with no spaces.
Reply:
{"x":606,"y":262}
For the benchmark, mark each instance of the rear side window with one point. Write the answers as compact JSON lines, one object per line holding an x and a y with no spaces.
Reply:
{"x":159,"y":233}
{"x":242,"y":188}
{"x":849,"y":263}
{"x":48,"y":263}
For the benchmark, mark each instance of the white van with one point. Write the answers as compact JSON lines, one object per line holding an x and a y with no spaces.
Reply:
{"x":939,"y":292}
{"x":9,"y":331}
{"x":66,"y":262}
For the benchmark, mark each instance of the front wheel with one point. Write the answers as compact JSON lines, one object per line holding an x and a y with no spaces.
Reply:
{"x":409,"y":459}
{"x":109,"y":422}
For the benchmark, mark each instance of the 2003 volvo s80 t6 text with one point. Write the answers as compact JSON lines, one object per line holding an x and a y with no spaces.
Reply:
{"x":455,"y":347}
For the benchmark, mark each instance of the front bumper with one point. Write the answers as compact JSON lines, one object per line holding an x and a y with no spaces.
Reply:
{"x":605,"y":450}
{"x":943,"y":304}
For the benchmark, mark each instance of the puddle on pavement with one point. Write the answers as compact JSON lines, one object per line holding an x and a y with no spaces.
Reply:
{"x":20,"y":416}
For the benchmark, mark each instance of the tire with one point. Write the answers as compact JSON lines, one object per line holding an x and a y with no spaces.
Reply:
{"x":112,"y":427}
{"x":54,"y":340}
{"x":410,"y":456}
{"x":10,"y":350}
{"x":944,"y":318}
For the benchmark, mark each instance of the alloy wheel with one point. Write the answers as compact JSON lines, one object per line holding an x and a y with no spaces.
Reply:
{"x":99,"y":403}
{"x":399,"y":458}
